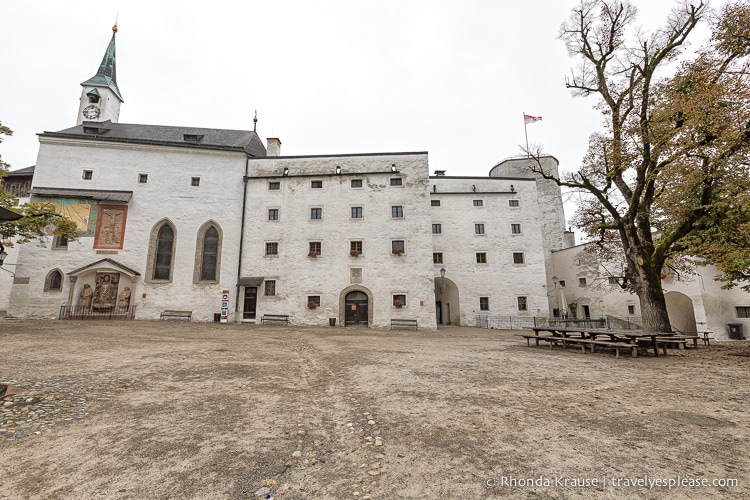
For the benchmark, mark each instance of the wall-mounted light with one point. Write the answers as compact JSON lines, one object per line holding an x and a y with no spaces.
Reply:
{"x":286,"y":171}
{"x":3,"y":256}
{"x":393,"y":168}
{"x":338,"y":170}
{"x":512,"y":189}
{"x":474,"y":188}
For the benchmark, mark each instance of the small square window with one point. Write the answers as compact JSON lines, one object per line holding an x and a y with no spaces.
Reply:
{"x":59,"y":243}
{"x":270,"y":287}
{"x":273,"y":214}
{"x":142,"y":178}
{"x":356,"y":183}
{"x":522,"y":304}
{"x":478,"y":228}
{"x":581,"y":281}
{"x":612,"y":280}
{"x":562,"y":282}
{"x":515,"y":228}
{"x":518,"y":257}
{"x":396,"y":181}
{"x":399,"y":300}
{"x":513,"y":203}
{"x":313,"y":301}
{"x":631,"y":310}
{"x":195,"y":181}
{"x":355,"y":248}
{"x":556,"y":312}
{"x":398,"y":247}
{"x":316,"y":213}
{"x":357,"y":212}
{"x":434,"y":203}
{"x":437,"y":257}
{"x":272,"y":248}
{"x":88,"y":175}
{"x":484,"y":303}
{"x":316,"y":184}
{"x":478,"y":203}
{"x":397,"y":212}
{"x":315,"y":249}
{"x":481,"y":257}
{"x":743,"y":311}
{"x":274,"y":186}
{"x":437,"y":228}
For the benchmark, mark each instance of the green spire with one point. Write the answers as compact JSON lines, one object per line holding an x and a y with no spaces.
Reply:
{"x":107,"y":74}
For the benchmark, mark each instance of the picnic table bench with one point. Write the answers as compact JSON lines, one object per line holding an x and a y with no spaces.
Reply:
{"x":695,"y":336}
{"x":275,"y":318}
{"x":618,"y":339}
{"x":171,"y":313}
{"x":403,"y":323}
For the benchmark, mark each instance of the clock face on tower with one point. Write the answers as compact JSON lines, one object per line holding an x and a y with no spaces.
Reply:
{"x":91,"y":112}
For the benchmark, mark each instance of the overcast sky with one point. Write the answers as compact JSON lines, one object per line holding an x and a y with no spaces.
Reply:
{"x":326,"y":77}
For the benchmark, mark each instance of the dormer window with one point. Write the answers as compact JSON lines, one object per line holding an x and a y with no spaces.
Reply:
{"x":95,"y":130}
{"x":192,"y":137}
{"x":93,"y":96}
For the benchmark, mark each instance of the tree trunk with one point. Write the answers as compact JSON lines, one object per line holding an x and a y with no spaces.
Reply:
{"x":653,"y":307}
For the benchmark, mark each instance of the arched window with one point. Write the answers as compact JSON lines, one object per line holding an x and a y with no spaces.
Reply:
{"x":208,"y":254}
{"x":163,"y":263}
{"x":161,"y":252}
{"x":53,"y":282}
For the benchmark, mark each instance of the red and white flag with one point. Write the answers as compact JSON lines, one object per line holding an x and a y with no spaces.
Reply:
{"x":531,"y":119}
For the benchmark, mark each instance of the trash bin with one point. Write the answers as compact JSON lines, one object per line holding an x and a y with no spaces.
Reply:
{"x":331,"y":321}
{"x":217,"y":317}
{"x":735,"y":331}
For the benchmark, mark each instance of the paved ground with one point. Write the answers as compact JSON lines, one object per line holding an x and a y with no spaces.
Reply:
{"x":176,"y":410}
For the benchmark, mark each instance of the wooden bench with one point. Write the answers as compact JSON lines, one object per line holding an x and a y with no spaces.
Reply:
{"x":565,"y":341}
{"x":633,"y":348}
{"x":176,"y":314}
{"x":705,"y":336}
{"x":403,"y":323}
{"x":663,"y":342}
{"x":275,"y":318}
{"x":545,"y":338}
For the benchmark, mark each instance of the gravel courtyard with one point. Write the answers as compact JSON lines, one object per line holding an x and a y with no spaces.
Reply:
{"x":172,"y":409}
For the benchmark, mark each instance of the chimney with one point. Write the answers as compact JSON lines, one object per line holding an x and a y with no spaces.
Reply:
{"x":274,"y":146}
{"x":569,"y":239}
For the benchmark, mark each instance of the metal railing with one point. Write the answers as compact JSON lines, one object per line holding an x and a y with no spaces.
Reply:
{"x":75,"y":312}
{"x":520,"y":323}
{"x":509,"y":322}
{"x":616,"y":323}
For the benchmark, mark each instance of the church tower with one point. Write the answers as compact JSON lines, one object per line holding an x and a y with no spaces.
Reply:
{"x":100,"y":97}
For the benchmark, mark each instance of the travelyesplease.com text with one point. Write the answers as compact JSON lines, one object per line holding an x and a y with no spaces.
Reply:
{"x":603,"y":482}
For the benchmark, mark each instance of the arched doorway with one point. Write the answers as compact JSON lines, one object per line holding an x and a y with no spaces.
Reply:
{"x":680,"y":311}
{"x":357,"y":306}
{"x":447,"y":310}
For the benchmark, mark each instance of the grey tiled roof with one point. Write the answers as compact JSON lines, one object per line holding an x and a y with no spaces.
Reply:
{"x":210,"y":138}
{"x":21,"y":172}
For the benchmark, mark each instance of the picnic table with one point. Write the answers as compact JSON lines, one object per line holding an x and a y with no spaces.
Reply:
{"x":625,"y":338}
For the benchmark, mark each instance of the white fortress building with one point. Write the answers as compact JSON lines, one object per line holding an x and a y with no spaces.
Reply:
{"x":217,"y":223}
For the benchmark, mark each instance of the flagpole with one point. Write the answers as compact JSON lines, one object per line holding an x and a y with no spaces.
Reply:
{"x":525,"y":132}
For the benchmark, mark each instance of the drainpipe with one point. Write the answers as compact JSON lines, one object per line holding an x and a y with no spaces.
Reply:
{"x":242,"y":236}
